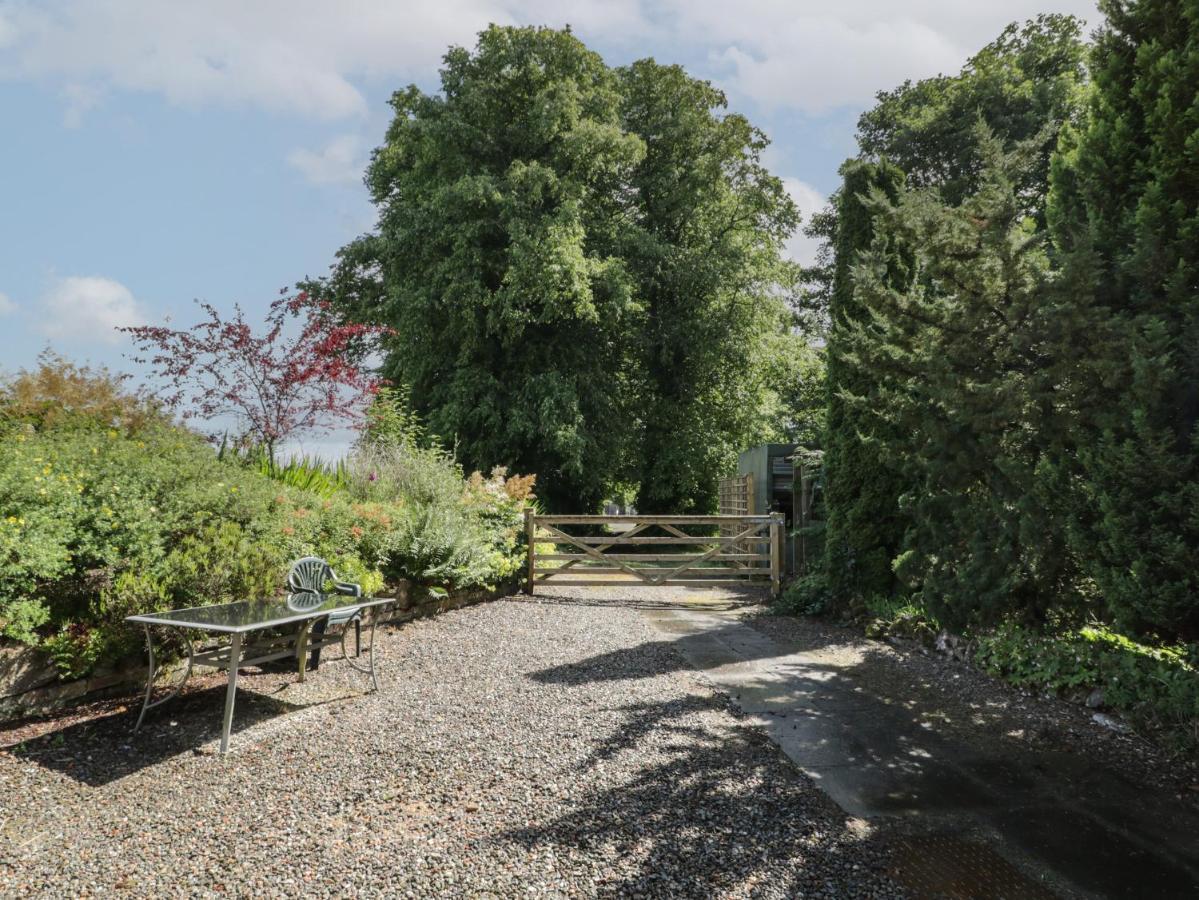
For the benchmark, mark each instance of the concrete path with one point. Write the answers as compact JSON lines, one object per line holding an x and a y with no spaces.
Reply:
{"x":1071,"y":827}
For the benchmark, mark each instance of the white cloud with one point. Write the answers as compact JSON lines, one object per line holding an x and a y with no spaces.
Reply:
{"x":89,"y":308}
{"x":7,"y":305}
{"x":341,"y":161}
{"x":310,"y":57}
{"x":810,"y":201}
{"x":814,"y":57}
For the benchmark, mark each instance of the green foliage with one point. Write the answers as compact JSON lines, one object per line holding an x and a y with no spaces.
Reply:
{"x":966,"y":394}
{"x":1023,"y":86}
{"x":583,"y":269}
{"x":59,"y":394}
{"x":807,"y":595}
{"x":445,"y":530}
{"x":896,"y":616}
{"x":391,"y":420}
{"x":496,"y":207}
{"x":1156,"y":687}
{"x":20,"y":618}
{"x":306,"y":473}
{"x":102,"y":523}
{"x":76,"y":649}
{"x":703,"y":246}
{"x":862,"y":481}
{"x":799,"y":374}
{"x":1125,"y":216}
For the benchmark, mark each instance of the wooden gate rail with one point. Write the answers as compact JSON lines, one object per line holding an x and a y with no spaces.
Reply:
{"x":745,"y":549}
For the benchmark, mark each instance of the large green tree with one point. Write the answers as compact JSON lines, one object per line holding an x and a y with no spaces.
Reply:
{"x":865,"y":527}
{"x":1125,"y":215}
{"x":583,"y":269}
{"x":704,"y":244}
{"x":500,"y":206}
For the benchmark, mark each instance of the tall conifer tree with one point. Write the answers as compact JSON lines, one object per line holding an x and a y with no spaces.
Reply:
{"x":862,"y":488}
{"x":1125,"y":215}
{"x":966,"y":394}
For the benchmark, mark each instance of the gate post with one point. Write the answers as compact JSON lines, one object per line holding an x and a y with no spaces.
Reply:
{"x":530,"y":533}
{"x":777,"y":521}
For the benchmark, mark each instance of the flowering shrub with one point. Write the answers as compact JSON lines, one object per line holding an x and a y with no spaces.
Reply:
{"x":100,"y":522}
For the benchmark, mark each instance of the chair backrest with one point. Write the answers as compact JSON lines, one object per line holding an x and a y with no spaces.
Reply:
{"x":309,"y":574}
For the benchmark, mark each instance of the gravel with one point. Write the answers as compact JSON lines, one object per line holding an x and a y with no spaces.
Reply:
{"x":554,"y":746}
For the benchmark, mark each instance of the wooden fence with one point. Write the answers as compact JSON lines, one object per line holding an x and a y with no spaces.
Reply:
{"x":700,"y":550}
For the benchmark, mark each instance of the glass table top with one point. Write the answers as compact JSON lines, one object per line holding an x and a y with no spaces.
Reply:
{"x":250,"y":615}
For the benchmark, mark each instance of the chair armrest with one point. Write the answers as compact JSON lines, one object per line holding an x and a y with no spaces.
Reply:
{"x":346,"y":589}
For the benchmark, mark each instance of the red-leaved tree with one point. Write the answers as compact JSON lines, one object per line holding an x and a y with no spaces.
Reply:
{"x":304,"y":373}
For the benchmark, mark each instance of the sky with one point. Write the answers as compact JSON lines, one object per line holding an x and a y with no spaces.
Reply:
{"x":154,"y":152}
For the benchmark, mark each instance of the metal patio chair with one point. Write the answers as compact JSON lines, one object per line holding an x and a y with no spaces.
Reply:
{"x":311,"y":574}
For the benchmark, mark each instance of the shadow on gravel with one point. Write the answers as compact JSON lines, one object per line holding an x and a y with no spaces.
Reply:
{"x":879,"y":750}
{"x":100,"y":750}
{"x":712,"y":812}
{"x":646,"y":659}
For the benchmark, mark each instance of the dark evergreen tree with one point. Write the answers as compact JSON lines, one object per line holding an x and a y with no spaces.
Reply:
{"x":864,"y":525}
{"x":1125,"y":216}
{"x":966,"y":391}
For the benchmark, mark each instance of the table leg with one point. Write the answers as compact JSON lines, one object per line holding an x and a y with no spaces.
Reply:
{"x":231,"y":691}
{"x":374,"y":680}
{"x":149,"y":678}
{"x":153,"y":673}
{"x":302,"y":650}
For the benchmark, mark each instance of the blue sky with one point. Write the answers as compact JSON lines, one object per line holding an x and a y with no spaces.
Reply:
{"x":153,"y":152}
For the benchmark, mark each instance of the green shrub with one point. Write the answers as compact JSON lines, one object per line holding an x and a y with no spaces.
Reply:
{"x":1156,"y":688}
{"x":76,"y":648}
{"x":807,"y":595}
{"x":899,"y":617}
{"x":107,"y":512}
{"x":21,"y":617}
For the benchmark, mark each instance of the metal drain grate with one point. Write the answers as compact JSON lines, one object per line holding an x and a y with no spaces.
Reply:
{"x":950,"y":868}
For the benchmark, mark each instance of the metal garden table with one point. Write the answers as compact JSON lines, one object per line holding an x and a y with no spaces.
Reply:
{"x":243,"y":618}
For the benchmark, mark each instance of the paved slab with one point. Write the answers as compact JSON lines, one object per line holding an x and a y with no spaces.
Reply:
{"x":1082,"y":829}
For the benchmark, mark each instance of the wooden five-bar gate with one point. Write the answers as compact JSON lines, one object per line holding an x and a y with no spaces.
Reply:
{"x":698,"y":550}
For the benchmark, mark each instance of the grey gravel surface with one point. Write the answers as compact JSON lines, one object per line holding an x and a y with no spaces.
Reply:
{"x":547,"y":747}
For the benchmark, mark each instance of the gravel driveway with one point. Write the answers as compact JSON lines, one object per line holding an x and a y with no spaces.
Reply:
{"x":553,"y":746}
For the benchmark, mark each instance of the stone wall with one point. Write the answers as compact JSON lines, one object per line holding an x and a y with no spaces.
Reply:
{"x":29,"y":682}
